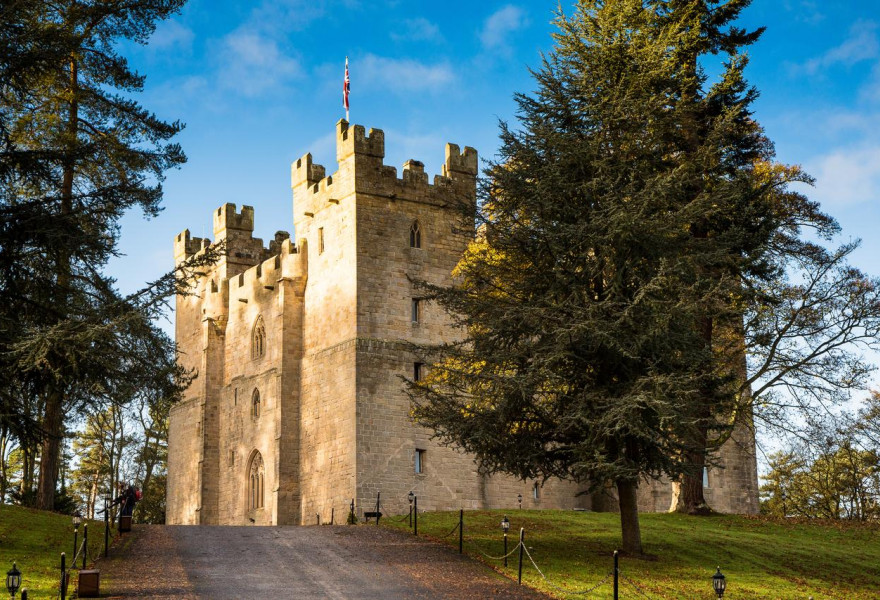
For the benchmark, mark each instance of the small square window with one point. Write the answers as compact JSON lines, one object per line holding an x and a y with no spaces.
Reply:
{"x":420,"y":461}
{"x":416,"y":310}
{"x":418,"y":371}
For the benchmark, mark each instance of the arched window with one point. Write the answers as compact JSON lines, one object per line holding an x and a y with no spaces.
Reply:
{"x":255,"y":482}
{"x":258,"y":339}
{"x":255,"y":404}
{"x":415,"y":235}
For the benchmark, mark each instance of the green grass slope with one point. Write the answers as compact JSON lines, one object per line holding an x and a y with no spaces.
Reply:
{"x":35,"y":539}
{"x":761,"y":558}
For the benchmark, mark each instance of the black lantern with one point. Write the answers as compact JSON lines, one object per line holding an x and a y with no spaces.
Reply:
{"x":719,"y":583}
{"x":410,"y":497}
{"x":505,"y":524}
{"x":519,"y":499}
{"x":77,"y":519}
{"x":13,"y":580}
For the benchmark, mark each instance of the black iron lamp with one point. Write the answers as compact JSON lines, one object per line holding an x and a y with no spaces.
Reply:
{"x":410,"y":497}
{"x":719,"y":583}
{"x":519,"y":499}
{"x":13,"y":580}
{"x":77,"y":519}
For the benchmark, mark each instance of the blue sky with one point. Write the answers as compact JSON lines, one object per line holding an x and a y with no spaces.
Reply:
{"x":258,"y":84}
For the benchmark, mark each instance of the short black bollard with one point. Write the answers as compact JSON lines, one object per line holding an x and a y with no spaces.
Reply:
{"x":460,"y":529}
{"x":332,"y":509}
{"x":85,"y":543}
{"x":378,"y":514}
{"x":351,"y":518}
{"x":62,"y":588}
{"x":318,"y":518}
{"x":616,"y":573}
{"x":522,"y":545}
{"x":416,"y":516}
{"x":24,"y":594}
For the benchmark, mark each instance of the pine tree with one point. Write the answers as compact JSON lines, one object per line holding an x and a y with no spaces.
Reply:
{"x":615,"y":231}
{"x":77,"y":153}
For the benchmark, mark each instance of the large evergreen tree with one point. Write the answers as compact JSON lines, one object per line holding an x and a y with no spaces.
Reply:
{"x":615,"y":227}
{"x":77,"y":153}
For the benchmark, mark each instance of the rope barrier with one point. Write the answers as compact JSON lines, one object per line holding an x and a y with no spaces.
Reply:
{"x":635,"y":587}
{"x":454,"y":529}
{"x":477,"y":548}
{"x":562,"y":589}
{"x":405,"y":517}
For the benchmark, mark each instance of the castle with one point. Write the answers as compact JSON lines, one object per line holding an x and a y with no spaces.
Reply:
{"x":299,"y":348}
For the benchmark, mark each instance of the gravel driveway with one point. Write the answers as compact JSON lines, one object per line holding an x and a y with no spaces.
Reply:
{"x":337,"y":562}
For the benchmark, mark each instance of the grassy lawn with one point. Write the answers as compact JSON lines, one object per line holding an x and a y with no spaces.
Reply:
{"x":35,"y":540}
{"x":761,"y":558}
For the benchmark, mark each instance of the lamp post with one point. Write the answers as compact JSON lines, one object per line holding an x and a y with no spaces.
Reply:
{"x":410,"y":497}
{"x":505,"y":527}
{"x":519,"y":499}
{"x":719,"y":583}
{"x":77,"y":519}
{"x":13,"y":580}
{"x":784,"y":511}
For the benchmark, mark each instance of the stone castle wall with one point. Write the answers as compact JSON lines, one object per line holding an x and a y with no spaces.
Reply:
{"x":334,"y":422}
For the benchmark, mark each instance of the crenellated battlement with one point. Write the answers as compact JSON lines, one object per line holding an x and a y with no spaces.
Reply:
{"x":460,"y":164}
{"x":361,"y":170}
{"x":353,"y":139}
{"x":185,"y":246}
{"x":227,"y":219}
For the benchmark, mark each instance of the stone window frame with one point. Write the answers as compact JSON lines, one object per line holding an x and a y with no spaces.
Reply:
{"x":256,"y":404}
{"x":256,"y":488}
{"x":418,"y":371}
{"x":536,"y":494}
{"x":415,"y":234}
{"x":416,"y":310}
{"x":419,"y":461}
{"x":258,"y":338}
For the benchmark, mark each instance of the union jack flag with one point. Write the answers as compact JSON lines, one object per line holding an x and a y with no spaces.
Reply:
{"x":346,"y":88}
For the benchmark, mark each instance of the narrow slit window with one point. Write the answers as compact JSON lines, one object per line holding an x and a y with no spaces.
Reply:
{"x":535,"y":493}
{"x":255,"y":405}
{"x":418,"y":371}
{"x":706,"y":477}
{"x":415,"y":235}
{"x":420,"y":461}
{"x":320,"y":240}
{"x":255,"y":489}
{"x":258,"y":339}
{"x":416,"y":310}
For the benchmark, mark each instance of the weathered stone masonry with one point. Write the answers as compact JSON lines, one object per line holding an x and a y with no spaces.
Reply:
{"x":314,"y":331}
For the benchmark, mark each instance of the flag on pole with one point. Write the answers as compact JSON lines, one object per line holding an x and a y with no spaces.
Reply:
{"x":346,"y":87}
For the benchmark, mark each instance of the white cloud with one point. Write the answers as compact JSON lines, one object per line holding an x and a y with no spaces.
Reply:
{"x":252,"y":63}
{"x":418,"y":30}
{"x":847,"y":176}
{"x":862,"y":44}
{"x":400,"y":74}
{"x":499,"y":26}
{"x":172,"y":35}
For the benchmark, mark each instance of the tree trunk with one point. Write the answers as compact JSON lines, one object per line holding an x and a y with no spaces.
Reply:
{"x":53,"y":420}
{"x":53,"y":425}
{"x":629,"y":517}
{"x":4,"y":444}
